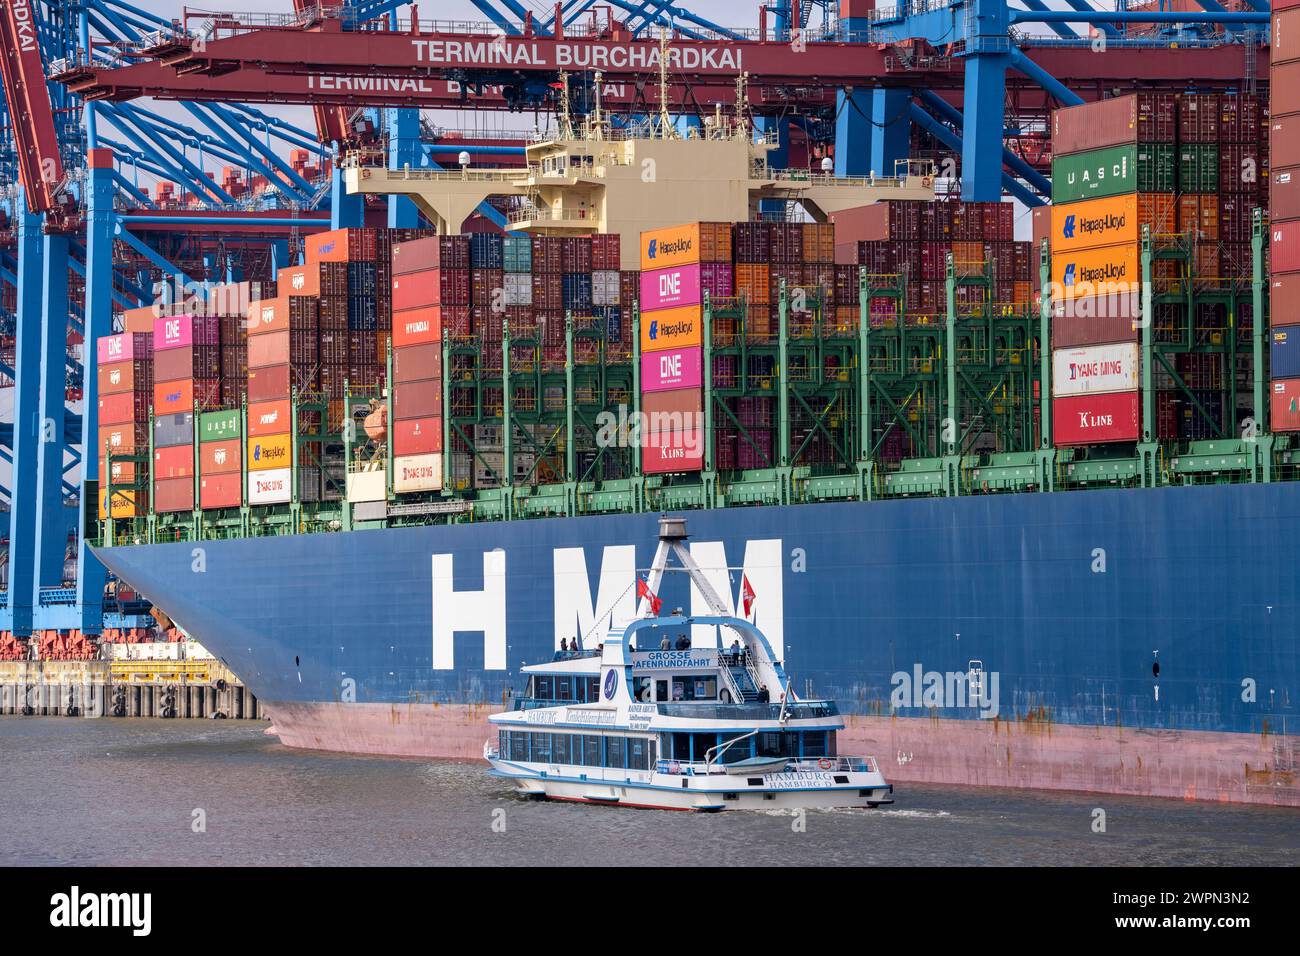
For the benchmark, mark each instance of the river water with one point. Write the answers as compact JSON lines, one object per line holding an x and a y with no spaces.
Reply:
{"x":127,"y":792}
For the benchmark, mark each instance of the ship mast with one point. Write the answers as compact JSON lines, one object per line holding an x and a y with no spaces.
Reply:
{"x":566,"y":118}
{"x":666,"y":128}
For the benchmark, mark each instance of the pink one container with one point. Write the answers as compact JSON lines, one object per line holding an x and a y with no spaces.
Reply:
{"x":669,"y":288}
{"x":672,"y":368}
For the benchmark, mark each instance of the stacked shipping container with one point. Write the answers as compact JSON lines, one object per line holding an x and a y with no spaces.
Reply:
{"x":430,"y":277}
{"x":678,"y":264}
{"x":125,"y":388}
{"x":220,"y":459}
{"x":1190,"y":167}
{"x":1284,"y":210}
{"x":187,"y":376}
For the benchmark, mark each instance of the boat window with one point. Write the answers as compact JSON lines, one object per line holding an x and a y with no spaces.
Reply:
{"x":593,"y":688}
{"x":613,"y":751}
{"x":591,"y":748}
{"x":560,"y":748}
{"x":703,"y":743}
{"x":681,"y":749}
{"x":542,"y":688}
{"x":519,"y":745}
{"x":564,"y":688}
{"x":661,"y":690}
{"x":769,"y":744}
{"x":814,"y":743}
{"x":541,"y":748}
{"x":740,"y":750}
{"x":637,"y":754}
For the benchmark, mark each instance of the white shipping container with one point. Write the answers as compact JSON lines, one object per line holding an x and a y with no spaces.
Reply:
{"x":417,"y":473}
{"x":366,"y":486}
{"x":518,"y":289}
{"x":272,"y":487}
{"x":604,"y":288}
{"x":1095,"y":370}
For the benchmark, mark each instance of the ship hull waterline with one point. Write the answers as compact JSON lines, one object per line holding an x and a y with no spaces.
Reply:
{"x":1136,"y":642}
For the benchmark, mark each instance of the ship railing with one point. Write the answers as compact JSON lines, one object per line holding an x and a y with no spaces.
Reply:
{"x":835,"y":764}
{"x":689,"y":768}
{"x":753,"y":710}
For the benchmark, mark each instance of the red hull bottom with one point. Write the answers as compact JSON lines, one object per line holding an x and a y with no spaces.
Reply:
{"x":1189,"y":765}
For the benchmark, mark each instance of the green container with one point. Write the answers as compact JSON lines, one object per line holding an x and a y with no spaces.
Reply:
{"x":1113,"y":171}
{"x":219,"y":426}
{"x":1198,"y":168}
{"x":517,"y":252}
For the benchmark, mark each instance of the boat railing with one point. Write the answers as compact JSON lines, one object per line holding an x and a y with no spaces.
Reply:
{"x":833,"y":764}
{"x":689,"y":768}
{"x":713,"y":710}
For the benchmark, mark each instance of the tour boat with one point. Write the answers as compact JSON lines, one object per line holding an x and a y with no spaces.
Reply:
{"x":654,"y":718}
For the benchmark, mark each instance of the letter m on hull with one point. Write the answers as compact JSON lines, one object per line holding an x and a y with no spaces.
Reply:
{"x":762,"y":565}
{"x":575,"y":613}
{"x":482,"y":611}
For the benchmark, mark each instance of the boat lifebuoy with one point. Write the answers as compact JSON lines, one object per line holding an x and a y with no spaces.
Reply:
{"x":825,"y":763}
{"x":365,"y":173}
{"x":925,"y":182}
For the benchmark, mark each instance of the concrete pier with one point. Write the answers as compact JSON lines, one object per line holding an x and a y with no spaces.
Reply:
{"x":184,"y":689}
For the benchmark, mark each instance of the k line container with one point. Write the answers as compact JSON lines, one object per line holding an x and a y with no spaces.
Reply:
{"x":269,"y":452}
{"x":672,"y":328}
{"x":1090,"y":272}
{"x":269,"y":418}
{"x":417,"y":436}
{"x":270,"y":487}
{"x":672,"y":452}
{"x":1095,"y":369}
{"x":670,"y":288}
{"x":672,"y":368}
{"x":221,"y":491}
{"x":220,"y":457}
{"x":1096,"y":419}
{"x":417,"y":473}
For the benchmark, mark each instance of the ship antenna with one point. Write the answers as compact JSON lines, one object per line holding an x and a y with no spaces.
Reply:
{"x":664,"y":125}
{"x":742,"y":102}
{"x":566,"y":119}
{"x":600,"y":123}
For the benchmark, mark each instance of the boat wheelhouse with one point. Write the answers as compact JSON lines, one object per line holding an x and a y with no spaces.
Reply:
{"x":648,"y":719}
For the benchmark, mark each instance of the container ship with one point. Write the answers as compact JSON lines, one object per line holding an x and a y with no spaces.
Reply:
{"x":1025,"y":511}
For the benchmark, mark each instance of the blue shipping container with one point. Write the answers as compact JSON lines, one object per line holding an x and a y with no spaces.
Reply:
{"x":1286,"y":352}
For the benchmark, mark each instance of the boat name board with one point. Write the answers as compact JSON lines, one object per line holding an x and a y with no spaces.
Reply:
{"x":582,"y":715}
{"x":660,"y":660}
{"x":798,"y":779}
{"x":640,"y":715}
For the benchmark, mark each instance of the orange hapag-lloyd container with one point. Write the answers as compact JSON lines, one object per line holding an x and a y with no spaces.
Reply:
{"x":685,"y":245}
{"x":672,"y":328}
{"x":1110,"y":221}
{"x":1097,"y":271}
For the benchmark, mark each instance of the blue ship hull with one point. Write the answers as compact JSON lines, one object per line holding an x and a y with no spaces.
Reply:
{"x":1160,"y":610}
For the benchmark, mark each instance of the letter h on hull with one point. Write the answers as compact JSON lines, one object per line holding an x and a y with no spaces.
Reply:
{"x":483,"y":611}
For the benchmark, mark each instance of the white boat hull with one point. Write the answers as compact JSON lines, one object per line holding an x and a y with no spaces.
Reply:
{"x":812,"y":791}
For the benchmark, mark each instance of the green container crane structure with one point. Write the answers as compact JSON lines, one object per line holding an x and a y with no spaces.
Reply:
{"x":526,"y":437}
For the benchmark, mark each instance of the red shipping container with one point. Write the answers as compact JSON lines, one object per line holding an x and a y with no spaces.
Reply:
{"x":175,"y":461}
{"x":415,"y":362}
{"x":219,"y":457}
{"x":125,"y":439}
{"x":125,"y":377}
{"x":221,"y":491}
{"x":1284,"y":44}
{"x":417,"y":326}
{"x":418,"y":399}
{"x":299,"y":280}
{"x":1284,"y":246}
{"x":433,"y":252}
{"x":1096,"y":419}
{"x":174,"y":398}
{"x":671,"y":452}
{"x":268,"y":384}
{"x":417,"y":436}
{"x":1284,"y":88}
{"x":1284,"y":141}
{"x":173,"y":494}
{"x":1284,"y":298}
{"x":1284,"y":193}
{"x":1198,"y":118}
{"x":1285,"y":404}
{"x":124,"y":407}
{"x":189,"y":361}
{"x":342,"y":245}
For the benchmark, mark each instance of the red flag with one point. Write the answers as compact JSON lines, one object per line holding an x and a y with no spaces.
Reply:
{"x":643,"y":591}
{"x":746,"y":595}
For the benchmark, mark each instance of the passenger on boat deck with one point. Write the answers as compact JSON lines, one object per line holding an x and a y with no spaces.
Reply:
{"x":563,"y":652}
{"x":763,"y":695}
{"x":683,"y":643}
{"x":735,"y":652}
{"x":665,"y":644}
{"x":574,"y":649}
